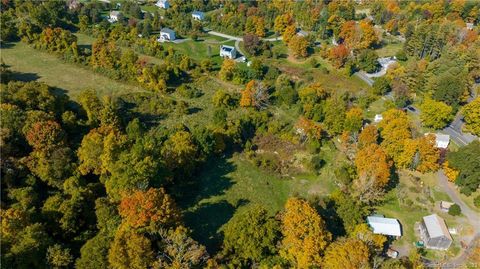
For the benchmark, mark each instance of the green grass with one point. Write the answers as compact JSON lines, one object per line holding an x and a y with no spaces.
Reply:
{"x":33,"y":64}
{"x":198,"y":50}
{"x":228,"y":184}
{"x":390,"y":49}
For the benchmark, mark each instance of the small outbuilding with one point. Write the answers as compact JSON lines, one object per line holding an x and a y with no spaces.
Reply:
{"x":434,"y":232}
{"x":198,"y":15}
{"x":469,"y":26}
{"x":445,"y":206}
{"x":228,"y":52}
{"x":114,"y":16}
{"x":385,"y":226}
{"x":163,"y":4}
{"x":166,"y":34}
{"x":378,"y":118}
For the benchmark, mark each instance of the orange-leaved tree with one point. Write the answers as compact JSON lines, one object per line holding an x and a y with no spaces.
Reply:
{"x":369,"y":135}
{"x":149,"y":210}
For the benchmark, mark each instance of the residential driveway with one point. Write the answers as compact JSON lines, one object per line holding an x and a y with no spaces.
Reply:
{"x":236,"y":38}
{"x":363,"y":76}
{"x":472,"y":217}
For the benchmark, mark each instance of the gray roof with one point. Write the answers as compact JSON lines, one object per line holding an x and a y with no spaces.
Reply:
{"x":199,"y":13}
{"x":436,"y":226}
{"x":227,"y":48}
{"x":114,"y":13}
{"x":442,"y":138}
{"x":168,"y":31}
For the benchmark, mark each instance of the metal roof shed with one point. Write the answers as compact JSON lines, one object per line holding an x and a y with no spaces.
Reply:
{"x":385,"y":226}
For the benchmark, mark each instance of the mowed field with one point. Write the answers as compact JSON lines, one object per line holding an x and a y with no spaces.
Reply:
{"x":33,"y":64}
{"x":229,"y":184}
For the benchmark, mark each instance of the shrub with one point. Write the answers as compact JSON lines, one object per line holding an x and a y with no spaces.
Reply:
{"x":188,"y":92}
{"x":455,"y":210}
{"x":381,"y":86}
{"x":476,"y":201}
{"x":316,"y":163}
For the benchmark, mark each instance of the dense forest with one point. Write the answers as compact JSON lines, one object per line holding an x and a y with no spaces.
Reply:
{"x":106,"y":181}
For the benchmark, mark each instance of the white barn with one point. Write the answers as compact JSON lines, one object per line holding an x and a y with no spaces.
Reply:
{"x":163,"y":4}
{"x":198,"y":15}
{"x":228,"y":51}
{"x":385,"y":226}
{"x":166,"y":34}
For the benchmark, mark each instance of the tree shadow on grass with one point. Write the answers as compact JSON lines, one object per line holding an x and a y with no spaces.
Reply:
{"x":206,"y":217}
{"x":206,"y":221}
{"x":25,"y":77}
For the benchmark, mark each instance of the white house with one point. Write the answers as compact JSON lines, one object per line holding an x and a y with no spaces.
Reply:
{"x":114,"y":16}
{"x":166,"y":34}
{"x":442,"y":141}
{"x":163,"y":4}
{"x":385,"y":226}
{"x":378,"y":118}
{"x":228,"y":51}
{"x":469,"y":26}
{"x":302,"y":33}
{"x":198,"y":15}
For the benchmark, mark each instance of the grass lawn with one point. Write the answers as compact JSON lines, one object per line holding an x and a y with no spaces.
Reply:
{"x":388,"y":50}
{"x":33,"y":64}
{"x":198,"y":50}
{"x":228,"y":184}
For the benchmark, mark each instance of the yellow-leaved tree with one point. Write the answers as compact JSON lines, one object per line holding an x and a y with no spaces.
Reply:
{"x":450,"y":172}
{"x":395,"y":128}
{"x":304,"y":234}
{"x":349,"y":253}
{"x":472,"y":116}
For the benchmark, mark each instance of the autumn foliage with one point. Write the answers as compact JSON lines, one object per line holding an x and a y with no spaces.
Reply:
{"x":149,"y":209}
{"x":305,"y":236}
{"x":373,"y":165}
{"x":368,"y":136}
{"x":339,"y":55}
{"x":309,"y":128}
{"x":347,"y":253}
{"x":44,"y":135}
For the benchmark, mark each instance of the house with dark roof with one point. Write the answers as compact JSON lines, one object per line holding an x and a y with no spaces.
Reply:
{"x":166,"y":34}
{"x":228,"y":51}
{"x":434,"y":233}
